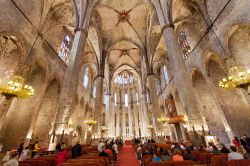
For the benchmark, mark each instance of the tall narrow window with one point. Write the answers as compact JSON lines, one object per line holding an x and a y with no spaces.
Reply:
{"x":64,"y":51}
{"x":148,"y":97}
{"x":94,"y":92}
{"x":137,"y":99}
{"x":165,"y":73}
{"x":184,"y":44}
{"x":115,"y":100}
{"x":86,"y":78}
{"x":126,"y":100}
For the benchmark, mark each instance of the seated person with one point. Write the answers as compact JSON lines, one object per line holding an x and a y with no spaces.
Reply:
{"x":13,"y":161}
{"x":234,"y":155}
{"x":62,"y":155}
{"x":189,"y":155}
{"x":166,"y":156}
{"x":103,"y":153}
{"x":224,"y":149}
{"x":247,"y":152}
{"x":177,"y":155}
{"x":156,"y":158}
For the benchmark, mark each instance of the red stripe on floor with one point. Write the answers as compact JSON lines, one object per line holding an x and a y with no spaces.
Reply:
{"x":127,"y":157}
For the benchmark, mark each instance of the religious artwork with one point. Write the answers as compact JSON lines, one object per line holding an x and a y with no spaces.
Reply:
{"x":171,"y":107}
{"x":123,"y":16}
{"x":64,"y":52}
{"x":186,"y":49}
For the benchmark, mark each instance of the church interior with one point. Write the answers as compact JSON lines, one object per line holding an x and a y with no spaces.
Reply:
{"x":86,"y":71}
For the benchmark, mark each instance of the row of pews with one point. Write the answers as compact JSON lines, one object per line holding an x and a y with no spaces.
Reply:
{"x":90,"y":157}
{"x":203,"y":158}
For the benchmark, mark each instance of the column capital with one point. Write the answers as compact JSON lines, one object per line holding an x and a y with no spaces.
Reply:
{"x":84,"y":30}
{"x":165,"y":26}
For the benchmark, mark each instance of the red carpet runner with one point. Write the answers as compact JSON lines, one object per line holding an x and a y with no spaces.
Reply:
{"x":127,"y":157}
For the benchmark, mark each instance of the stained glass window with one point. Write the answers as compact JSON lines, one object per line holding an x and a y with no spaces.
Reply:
{"x":184,"y":44}
{"x":64,"y":51}
{"x":125,"y":77}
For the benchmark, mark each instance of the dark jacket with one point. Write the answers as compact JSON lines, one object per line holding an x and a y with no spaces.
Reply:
{"x":76,"y":151}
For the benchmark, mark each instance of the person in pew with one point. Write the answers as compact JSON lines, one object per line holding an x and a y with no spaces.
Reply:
{"x":234,"y":155}
{"x":188,"y":155}
{"x":24,"y":154}
{"x":100,"y":145}
{"x":166,"y":156}
{"x":103,"y":153}
{"x":13,"y":160}
{"x":115,"y":151}
{"x":20,"y":149}
{"x":76,"y":150}
{"x":247,"y":152}
{"x":62,"y":156}
{"x":224,"y":149}
{"x":7,"y":156}
{"x":177,"y":155}
{"x":35,"y":148}
{"x":156,"y":158}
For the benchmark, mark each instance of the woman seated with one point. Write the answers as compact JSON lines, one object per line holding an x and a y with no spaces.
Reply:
{"x":177,"y":155}
{"x":166,"y":156}
{"x":156,"y":158}
{"x":189,"y":155}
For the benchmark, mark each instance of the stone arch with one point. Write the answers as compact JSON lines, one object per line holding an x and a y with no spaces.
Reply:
{"x":210,"y":111}
{"x":19,"y":121}
{"x":47,"y":112}
{"x":232,"y":101}
{"x":238,"y":43}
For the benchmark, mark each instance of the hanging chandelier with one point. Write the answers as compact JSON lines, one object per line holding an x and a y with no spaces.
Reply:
{"x":150,"y":127}
{"x":162,"y":120}
{"x":91,"y":122}
{"x":104,"y":128}
{"x":15,"y":87}
{"x":238,"y":78}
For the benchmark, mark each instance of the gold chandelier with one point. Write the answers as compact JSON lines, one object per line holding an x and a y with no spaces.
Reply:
{"x":16,"y":88}
{"x":150,"y":127}
{"x":238,"y":78}
{"x":91,"y":122}
{"x":162,"y":120}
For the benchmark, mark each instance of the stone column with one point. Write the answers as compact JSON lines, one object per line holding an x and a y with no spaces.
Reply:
{"x":70,"y":80}
{"x":144,"y":114}
{"x":154,"y":99}
{"x":181,"y":75}
{"x":135,"y":113}
{"x":118,"y":121}
{"x":123,"y":112}
{"x":98,"y":102}
{"x":130,"y":113}
{"x":111,"y":124}
{"x":69,"y":86}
